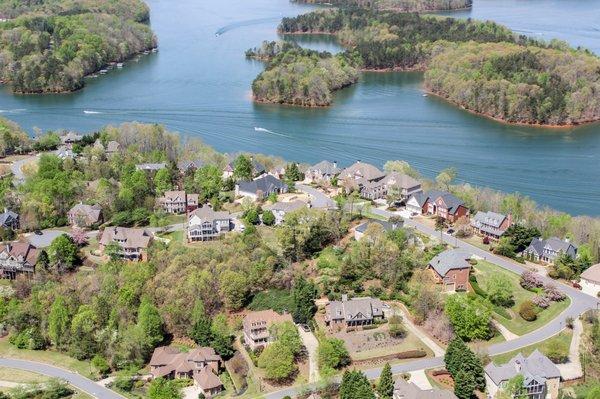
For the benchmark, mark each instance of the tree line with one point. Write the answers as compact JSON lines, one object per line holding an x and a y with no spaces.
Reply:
{"x":397,"y":5}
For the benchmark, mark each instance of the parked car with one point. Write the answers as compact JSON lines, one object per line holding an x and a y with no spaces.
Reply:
{"x":576,"y":285}
{"x":38,"y":232}
{"x":305,"y":328}
{"x":450,"y":231}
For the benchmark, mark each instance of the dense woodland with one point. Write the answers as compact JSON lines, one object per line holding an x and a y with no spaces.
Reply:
{"x":51,"y":45}
{"x":300,"y":77}
{"x":518,"y":84}
{"x":397,"y":5}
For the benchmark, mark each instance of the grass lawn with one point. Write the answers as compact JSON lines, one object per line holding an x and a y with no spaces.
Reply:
{"x":50,"y":357}
{"x":278,"y":300}
{"x":408,"y":343}
{"x":563,"y":339}
{"x":21,"y":376}
{"x":477,"y":241}
{"x":175,"y":219}
{"x":485,"y":270}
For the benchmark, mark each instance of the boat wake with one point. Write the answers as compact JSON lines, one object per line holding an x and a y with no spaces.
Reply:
{"x":263,"y":130}
{"x":249,"y":22}
{"x":12,"y":111}
{"x":91,"y":112}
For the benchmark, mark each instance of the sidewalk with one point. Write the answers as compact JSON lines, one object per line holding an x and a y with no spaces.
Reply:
{"x":506,"y":333}
{"x":572,"y":369}
{"x":437,"y":349}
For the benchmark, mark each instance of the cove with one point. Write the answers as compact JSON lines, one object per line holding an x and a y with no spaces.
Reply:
{"x":199,"y":84}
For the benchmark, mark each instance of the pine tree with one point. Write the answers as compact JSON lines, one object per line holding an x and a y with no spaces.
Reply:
{"x":200,"y":330}
{"x":303,"y":294}
{"x":385,"y":389}
{"x":459,"y":357}
{"x":464,"y":385}
{"x":58,"y":322}
{"x":355,"y":385}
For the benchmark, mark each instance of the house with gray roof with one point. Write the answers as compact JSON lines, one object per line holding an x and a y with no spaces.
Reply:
{"x":358,"y":175}
{"x":548,"y":250}
{"x":408,"y":390}
{"x":491,"y":224}
{"x":322,"y":171}
{"x":17,"y":258}
{"x":260,"y":187}
{"x":84,"y":215}
{"x":9,"y":220}
{"x":590,"y":280}
{"x":451,"y":269}
{"x":151,"y":167}
{"x":438,"y":203}
{"x":257,"y":168}
{"x":190,"y":166}
{"x":132,"y":243}
{"x":541,"y":376}
{"x":351,"y":314}
{"x":359,"y":231}
{"x":401,"y":186}
{"x":280,"y":209}
{"x":178,"y":201}
{"x":205,"y":224}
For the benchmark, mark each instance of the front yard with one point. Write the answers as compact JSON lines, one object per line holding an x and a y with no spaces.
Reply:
{"x":560,"y":341}
{"x":516,"y":324}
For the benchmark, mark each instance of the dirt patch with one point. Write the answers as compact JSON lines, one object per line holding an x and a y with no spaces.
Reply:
{"x":366,"y":340}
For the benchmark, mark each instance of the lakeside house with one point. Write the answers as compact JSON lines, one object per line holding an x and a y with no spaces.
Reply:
{"x":359,"y":175}
{"x":257,"y":168}
{"x":260,"y":188}
{"x":84,"y":215}
{"x":190,"y":166}
{"x":133,"y":243}
{"x":201,"y":364}
{"x":64,"y":152}
{"x":541,"y":376}
{"x":10,"y":220}
{"x":278,"y":172}
{"x":323,"y":171}
{"x":178,"y":201}
{"x":205,"y":224}
{"x":548,"y":250}
{"x":351,"y":314}
{"x":151,"y":167}
{"x":590,"y":280}
{"x":401,"y":186}
{"x":408,"y":390}
{"x":112,"y":147}
{"x":70,"y":138}
{"x":438,"y":203}
{"x":17,"y":258}
{"x":359,"y":231}
{"x":491,"y":224}
{"x":451,"y":269}
{"x":280,"y":209}
{"x":256,"y":327}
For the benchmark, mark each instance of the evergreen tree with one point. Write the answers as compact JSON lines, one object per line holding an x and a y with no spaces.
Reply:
{"x":355,"y":385}
{"x":464,"y":385}
{"x":304,"y":294}
{"x":242,"y":168}
{"x":151,"y":323}
{"x":200,"y":330}
{"x":58,"y":322}
{"x":385,"y":388}
{"x":459,"y":358}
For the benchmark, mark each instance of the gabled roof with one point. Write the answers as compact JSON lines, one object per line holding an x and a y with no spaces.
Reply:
{"x":400,"y":180}
{"x":171,"y":196}
{"x":185,"y":165}
{"x":7,"y":217}
{"x":420,"y":197}
{"x":536,"y":366}
{"x":408,"y":390}
{"x":362,"y":308}
{"x":387,"y":226}
{"x":206,"y":213}
{"x":451,"y":201}
{"x":538,"y":244}
{"x":265,"y":184}
{"x":264,"y":318}
{"x":592,"y":273}
{"x":489,"y":218}
{"x":449,"y":260}
{"x":286,"y":206}
{"x":361,"y":170}
{"x":133,"y":238}
{"x":23,"y":251}
{"x":257,"y":167}
{"x":91,"y":213}
{"x":326,"y":168}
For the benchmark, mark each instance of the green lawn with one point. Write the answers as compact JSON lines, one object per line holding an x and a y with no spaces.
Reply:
{"x":484,"y":270}
{"x":278,"y":300}
{"x":563,"y":338}
{"x":21,"y":376}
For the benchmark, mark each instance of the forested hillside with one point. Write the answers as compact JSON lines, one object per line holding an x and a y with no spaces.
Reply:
{"x":397,"y":5}
{"x":51,"y":45}
{"x":518,"y":84}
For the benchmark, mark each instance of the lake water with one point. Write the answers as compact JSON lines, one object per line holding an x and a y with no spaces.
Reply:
{"x":199,"y":84}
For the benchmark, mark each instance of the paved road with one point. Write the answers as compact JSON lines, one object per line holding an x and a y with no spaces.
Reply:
{"x":318,"y":199}
{"x":84,"y":384}
{"x":17,"y":168}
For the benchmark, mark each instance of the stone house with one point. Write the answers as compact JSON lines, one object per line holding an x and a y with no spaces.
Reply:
{"x":133,"y":242}
{"x":351,"y":314}
{"x":256,"y":327}
{"x":84,"y":215}
{"x":17,"y":258}
{"x":451,"y":269}
{"x":548,"y":250}
{"x":205,"y":224}
{"x":491,"y":224}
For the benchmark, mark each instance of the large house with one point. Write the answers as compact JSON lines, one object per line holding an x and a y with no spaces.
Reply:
{"x":323,"y":171}
{"x":17,"y":258}
{"x":548,"y":250}
{"x":201,"y":364}
{"x":133,"y":242}
{"x":451,"y":268}
{"x":83,"y":215}
{"x":205,"y":224}
{"x":354,"y":313}
{"x":360,"y":174}
{"x":190,"y":166}
{"x":9,"y":220}
{"x":280,"y":209}
{"x":260,"y":188}
{"x":257,"y":168}
{"x":359,"y":231}
{"x":256,"y":327}
{"x":491,"y":224}
{"x":71,"y":138}
{"x":541,"y":376}
{"x":438,"y":203}
{"x":590,"y":280}
{"x":401,"y":186}
{"x":178,"y":201}
{"x":151,"y":167}
{"x":408,"y":390}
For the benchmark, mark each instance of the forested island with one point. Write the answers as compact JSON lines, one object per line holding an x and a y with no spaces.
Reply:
{"x":51,"y":45}
{"x":397,"y":5}
{"x":298,"y":76}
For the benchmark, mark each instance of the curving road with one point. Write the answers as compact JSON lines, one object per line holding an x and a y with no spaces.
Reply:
{"x":82,"y":383}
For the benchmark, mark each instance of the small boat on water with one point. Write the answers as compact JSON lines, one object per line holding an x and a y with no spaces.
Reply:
{"x":425,"y":94}
{"x":154,"y":50}
{"x":146,"y":52}
{"x":120,"y":65}
{"x":103,"y":71}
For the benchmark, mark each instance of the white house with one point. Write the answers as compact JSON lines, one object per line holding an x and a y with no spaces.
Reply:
{"x":280,"y":209}
{"x":590,"y":280}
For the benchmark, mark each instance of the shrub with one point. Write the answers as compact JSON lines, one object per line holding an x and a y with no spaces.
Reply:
{"x":553,"y":293}
{"x":527,"y":311}
{"x":486,"y":240}
{"x":396,"y":328}
{"x":540,"y":301}
{"x":124,"y":383}
{"x":530,"y":281}
{"x":557,"y":352}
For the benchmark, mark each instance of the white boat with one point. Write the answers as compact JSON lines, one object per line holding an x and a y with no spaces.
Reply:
{"x":103,"y":71}
{"x":120,"y":65}
{"x":424,"y":94}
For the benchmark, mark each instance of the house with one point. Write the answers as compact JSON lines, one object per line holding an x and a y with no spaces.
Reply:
{"x":71,"y":138}
{"x":256,"y":327}
{"x":358,"y":175}
{"x":323,"y":171}
{"x":408,"y":390}
{"x":205,"y":224}
{"x":178,"y":201}
{"x":201,"y":364}
{"x":64,"y":152}
{"x":83,"y":215}
{"x":541,"y":376}
{"x":151,"y":167}
{"x":590,"y":280}
{"x":133,"y":242}
{"x":9,"y":220}
{"x":353,"y":313}
{"x":278,"y":172}
{"x":190,"y":166}
{"x":257,"y":168}
{"x":445,"y":205}
{"x":111,"y":147}
{"x":260,"y":188}
{"x":417,"y":203}
{"x":547,"y":251}
{"x":491,"y":224}
{"x":280,"y":209}
{"x":359,"y":231}
{"x":451,"y":268}
{"x":401,"y":186}
{"x":17,"y":258}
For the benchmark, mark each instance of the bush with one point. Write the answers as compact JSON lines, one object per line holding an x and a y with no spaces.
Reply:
{"x":530,"y":281}
{"x":486,"y":240}
{"x":557,"y":352}
{"x":124,"y":383}
{"x":396,"y":328}
{"x":527,"y":311}
{"x":552,"y":292}
{"x":541,"y":301}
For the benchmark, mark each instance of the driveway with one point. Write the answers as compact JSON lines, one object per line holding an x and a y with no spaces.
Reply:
{"x":17,"y":168}
{"x":318,"y":199}
{"x":83,"y":384}
{"x":312,"y":344}
{"x":45,"y":239}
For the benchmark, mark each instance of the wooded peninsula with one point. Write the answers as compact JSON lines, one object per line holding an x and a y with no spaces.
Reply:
{"x":397,"y":5}
{"x":51,"y":45}
{"x":481,"y":66}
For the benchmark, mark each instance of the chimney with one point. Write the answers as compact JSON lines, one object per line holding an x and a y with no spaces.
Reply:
{"x":518,"y":366}
{"x":344,"y":297}
{"x":358,"y":161}
{"x":335,"y":164}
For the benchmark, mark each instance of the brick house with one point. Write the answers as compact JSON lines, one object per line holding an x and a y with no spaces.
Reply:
{"x":451,"y":268}
{"x":133,"y":242}
{"x":205,"y":224}
{"x":256,"y":327}
{"x":445,"y":205}
{"x":178,"y":202}
{"x":491,"y":224}
{"x":17,"y":258}
{"x":350,"y":314}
